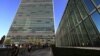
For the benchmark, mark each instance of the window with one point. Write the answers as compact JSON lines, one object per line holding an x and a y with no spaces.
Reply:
{"x":96,"y":19}
{"x":77,"y":15}
{"x":89,"y":26}
{"x":14,"y":22}
{"x":74,"y":18}
{"x":82,"y":9}
{"x":71,"y":22}
{"x":79,"y":35}
{"x":20,"y":15}
{"x":84,"y":34}
{"x":47,"y":22}
{"x":39,"y":21}
{"x":97,"y":2}
{"x":90,"y":29}
{"x":99,"y":10}
{"x":89,"y":5}
{"x":81,"y":30}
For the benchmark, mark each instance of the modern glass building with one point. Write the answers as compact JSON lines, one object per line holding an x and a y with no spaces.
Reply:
{"x":33,"y":22}
{"x":80,"y":24}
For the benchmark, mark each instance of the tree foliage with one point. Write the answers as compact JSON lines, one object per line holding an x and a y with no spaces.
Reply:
{"x":7,"y":41}
{"x":2,"y":39}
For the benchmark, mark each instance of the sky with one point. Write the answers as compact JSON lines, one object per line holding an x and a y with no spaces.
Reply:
{"x":8,"y":9}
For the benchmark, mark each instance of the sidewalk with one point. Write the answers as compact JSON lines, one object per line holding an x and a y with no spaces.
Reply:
{"x":39,"y":52}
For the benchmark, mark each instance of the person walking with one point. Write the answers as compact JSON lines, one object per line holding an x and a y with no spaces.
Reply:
{"x":15,"y":50}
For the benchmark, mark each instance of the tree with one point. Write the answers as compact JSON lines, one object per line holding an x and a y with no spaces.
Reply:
{"x":7,"y":41}
{"x":2,"y":39}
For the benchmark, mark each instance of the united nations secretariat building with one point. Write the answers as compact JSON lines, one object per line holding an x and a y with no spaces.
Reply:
{"x":33,"y":23}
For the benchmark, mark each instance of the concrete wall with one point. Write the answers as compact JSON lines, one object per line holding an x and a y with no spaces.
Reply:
{"x":74,"y":52}
{"x":5,"y":51}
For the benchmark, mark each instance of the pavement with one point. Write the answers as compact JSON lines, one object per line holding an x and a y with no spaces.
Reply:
{"x":39,"y":52}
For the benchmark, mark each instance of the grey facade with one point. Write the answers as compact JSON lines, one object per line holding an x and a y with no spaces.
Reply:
{"x":33,"y":22}
{"x":80,"y":24}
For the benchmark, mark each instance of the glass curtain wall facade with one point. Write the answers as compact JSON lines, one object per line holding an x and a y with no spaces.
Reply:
{"x":33,"y":22}
{"x":80,"y":24}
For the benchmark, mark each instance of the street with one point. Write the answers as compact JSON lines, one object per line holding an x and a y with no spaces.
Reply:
{"x":39,"y":52}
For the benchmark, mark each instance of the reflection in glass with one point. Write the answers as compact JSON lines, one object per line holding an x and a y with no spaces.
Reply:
{"x":79,"y":35}
{"x":77,"y":15}
{"x":74,"y":18}
{"x":84,"y":34}
{"x":89,"y":5}
{"x":99,"y":10}
{"x":90,"y":29}
{"x":82,"y":9}
{"x":97,"y":2}
{"x":96,"y":19}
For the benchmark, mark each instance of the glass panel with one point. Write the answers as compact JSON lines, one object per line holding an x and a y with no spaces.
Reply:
{"x":68,"y":37}
{"x":96,"y":19}
{"x":90,"y":30}
{"x":97,"y":2}
{"x":84,"y":38}
{"x":89,"y":26}
{"x":82,"y":9}
{"x":71,"y":21}
{"x":77,"y":15}
{"x":71,"y":38}
{"x":76,"y":38}
{"x":85,"y":35}
{"x":74,"y":18}
{"x":99,"y":10}
{"x":79,"y":35}
{"x":89,"y":5}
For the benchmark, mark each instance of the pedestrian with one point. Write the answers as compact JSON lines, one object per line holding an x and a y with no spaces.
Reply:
{"x":15,"y":50}
{"x":29,"y":48}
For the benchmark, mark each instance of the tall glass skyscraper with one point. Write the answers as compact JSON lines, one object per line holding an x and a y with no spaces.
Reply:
{"x":80,"y":24}
{"x":33,"y":22}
